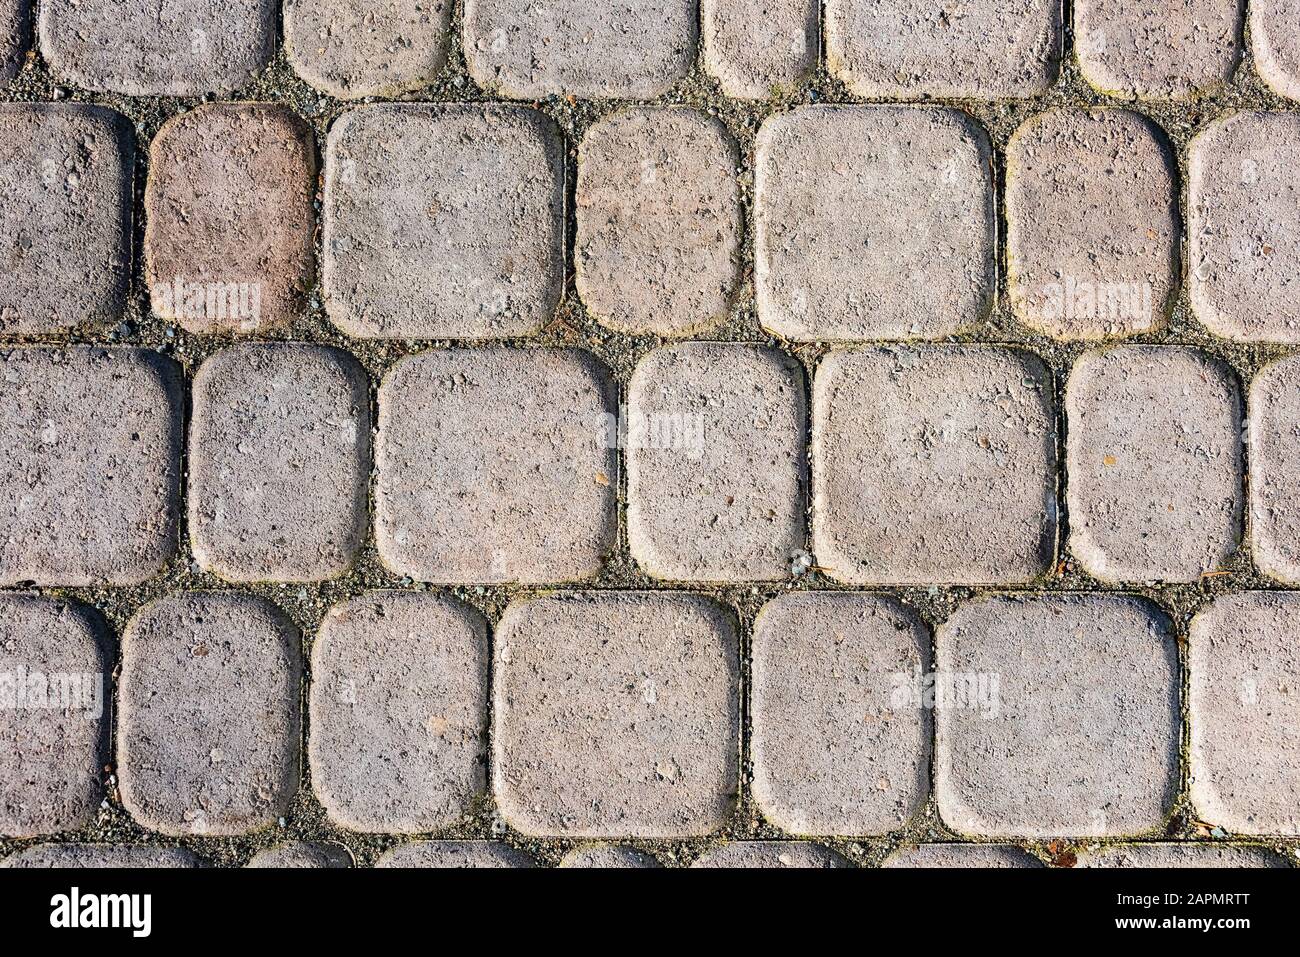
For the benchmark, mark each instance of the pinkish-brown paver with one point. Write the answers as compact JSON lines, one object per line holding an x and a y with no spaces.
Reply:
{"x":756,"y":48}
{"x":279,"y":462}
{"x":90,"y":446}
{"x":593,"y":856}
{"x":302,"y":854}
{"x":1092,"y":224}
{"x":228,"y":218}
{"x":588,"y":48}
{"x":97,"y":856}
{"x":443,"y":221}
{"x":841,"y":734}
{"x":207,"y":734}
{"x":15,"y":18}
{"x":966,"y":856}
{"x":1154,"y":461}
{"x":873,"y":222}
{"x":357,"y":48}
{"x":1275,"y":42}
{"x":766,"y":854}
{"x":454,"y":854}
{"x":399,"y":712}
{"x":933,"y":464}
{"x":715,"y":455}
{"x":1244,"y":694}
{"x":1274,"y":481}
{"x":1165,"y":854}
{"x":65,"y":255}
{"x":616,"y":715}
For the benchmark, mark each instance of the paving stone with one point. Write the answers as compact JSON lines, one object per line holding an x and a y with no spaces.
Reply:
{"x":279,"y":462}
{"x":757,"y":48}
{"x":968,"y":856}
{"x":1092,"y":224}
{"x":1274,"y":483}
{"x":933,"y":464}
{"x":454,"y":854}
{"x":1158,"y":51}
{"x":1063,"y":719}
{"x":356,"y":48}
{"x":443,"y":221}
{"x":1244,"y":202}
{"x":841,"y":737}
{"x":1244,"y":692}
{"x":716,"y":476}
{"x":764,"y":854}
{"x":65,"y":175}
{"x":1276,"y":44}
{"x":1154,"y":461}
{"x":228,"y":218}
{"x":873,"y":222}
{"x":90,"y":445}
{"x":54,"y":700}
{"x":587,"y":48}
{"x":15,"y":19}
{"x":492,"y":466}
{"x":225,"y":670}
{"x":616,"y":715}
{"x":84,"y":856}
{"x":303,"y":854}
{"x":158,"y":47}
{"x":399,"y":712}
{"x":608,"y":855}
{"x":989,"y":49}
{"x":1178,"y":855}
{"x":658,"y":211}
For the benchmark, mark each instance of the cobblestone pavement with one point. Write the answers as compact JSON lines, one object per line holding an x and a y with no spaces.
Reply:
{"x":725,"y":433}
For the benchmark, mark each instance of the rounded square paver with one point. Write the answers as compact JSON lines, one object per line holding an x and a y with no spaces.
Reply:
{"x":758,"y":47}
{"x":967,"y":856}
{"x":1188,"y":854}
{"x":90,"y":448}
{"x":493,"y":466}
{"x":765,"y":854}
{"x":454,"y":854}
{"x":658,"y":210}
{"x":715,"y":458}
{"x":990,"y":49}
{"x":873,"y":222}
{"x":1243,"y":195}
{"x":1153,"y":457}
{"x":443,"y":221}
{"x":65,"y":256}
{"x":356,"y":48}
{"x":228,"y":218}
{"x":54,"y":699}
{"x":1158,"y":51}
{"x":1092,"y":224}
{"x":1244,"y":694}
{"x":87,"y":856}
{"x":302,"y":854}
{"x":616,"y":715}
{"x":588,"y":48}
{"x":15,"y":16}
{"x":1274,"y":481}
{"x":933,"y":464}
{"x":601,"y":856}
{"x":838,"y":747}
{"x":1275,"y":41}
{"x":158,"y":47}
{"x":208,"y":726}
{"x":1083,"y":739}
{"x":279,"y":462}
{"x":399,"y":712}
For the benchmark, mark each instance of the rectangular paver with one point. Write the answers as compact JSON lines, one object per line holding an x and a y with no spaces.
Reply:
{"x":933,"y":464}
{"x":302,"y":855}
{"x":1154,"y":463}
{"x":1166,"y":854}
{"x":968,"y":856}
{"x":92,"y":856}
{"x":873,"y":222}
{"x":493,"y":466}
{"x":90,"y":445}
{"x":207,"y":733}
{"x":771,"y":854}
{"x":443,"y":221}
{"x":616,"y":715}
{"x":399,"y":712}
{"x":454,"y":854}
{"x":65,"y":176}
{"x":717,"y":484}
{"x":1276,"y":44}
{"x":1274,"y":479}
{"x":758,"y":47}
{"x":1084,"y":741}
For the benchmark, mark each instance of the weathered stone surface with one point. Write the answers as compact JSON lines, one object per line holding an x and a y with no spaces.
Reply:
{"x":303,"y":854}
{"x":970,"y":856}
{"x":608,"y":855}
{"x":454,"y":854}
{"x":1274,"y":430}
{"x":1178,"y":855}
{"x":15,"y":18}
{"x":1276,"y":44}
{"x":765,"y":854}
{"x":85,"y":856}
{"x":758,"y":47}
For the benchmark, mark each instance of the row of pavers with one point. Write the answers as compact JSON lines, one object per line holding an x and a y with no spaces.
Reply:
{"x":737,"y":854}
{"x":593,"y":48}
{"x":618,"y":715}
{"x":930,"y":465}
{"x":871,"y":222}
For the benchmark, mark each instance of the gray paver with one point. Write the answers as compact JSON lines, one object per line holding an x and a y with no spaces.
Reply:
{"x":758,"y":47}
{"x":87,"y":856}
{"x":1276,"y":44}
{"x":303,"y":854}
{"x":1178,"y":855}
{"x":454,"y":854}
{"x":969,"y":856}
{"x":765,"y":854}
{"x":1274,"y":481}
{"x":608,"y":855}
{"x":15,"y":17}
